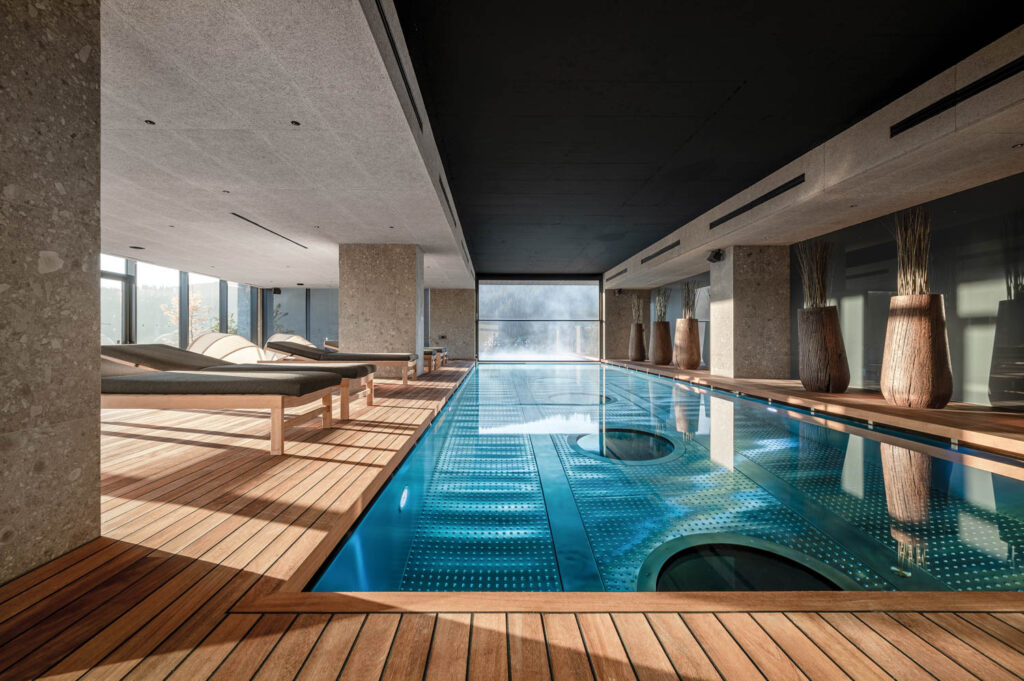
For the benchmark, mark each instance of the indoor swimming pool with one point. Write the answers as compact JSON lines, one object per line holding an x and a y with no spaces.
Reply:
{"x":587,"y":477}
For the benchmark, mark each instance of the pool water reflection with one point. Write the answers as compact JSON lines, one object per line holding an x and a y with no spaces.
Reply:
{"x":588,"y":478}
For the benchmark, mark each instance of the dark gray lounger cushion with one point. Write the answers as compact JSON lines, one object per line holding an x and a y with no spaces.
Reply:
{"x":309,"y":352}
{"x":339,"y":370}
{"x":160,"y":357}
{"x":293,"y":383}
{"x":441,"y":350}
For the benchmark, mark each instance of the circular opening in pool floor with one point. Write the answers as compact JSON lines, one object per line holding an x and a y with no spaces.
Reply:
{"x":577,"y":399}
{"x":730,"y":567}
{"x":625,"y":444}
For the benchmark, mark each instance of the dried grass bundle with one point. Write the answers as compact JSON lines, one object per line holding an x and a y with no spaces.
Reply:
{"x":638,"y":309}
{"x":689,"y":299}
{"x":661,"y":303}
{"x":813,"y":257}
{"x":913,"y":243}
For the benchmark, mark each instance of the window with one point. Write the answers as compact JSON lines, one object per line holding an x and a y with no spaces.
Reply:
{"x":539,"y":321}
{"x":240,"y":310}
{"x":203,"y":305}
{"x":157,"y":313}
{"x":112,"y":311}
{"x":112,"y":263}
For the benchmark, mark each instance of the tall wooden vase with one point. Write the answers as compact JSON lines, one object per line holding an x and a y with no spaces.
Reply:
{"x":1006,"y":379}
{"x":916,"y":369}
{"x":661,"y":343}
{"x":687,"y":344}
{"x":636,"y":343}
{"x":823,"y":364}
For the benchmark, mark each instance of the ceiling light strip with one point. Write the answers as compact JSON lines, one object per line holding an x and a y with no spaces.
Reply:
{"x":660,"y":251}
{"x":401,"y":68}
{"x":957,"y":96}
{"x":782,"y":188}
{"x":266,"y":229}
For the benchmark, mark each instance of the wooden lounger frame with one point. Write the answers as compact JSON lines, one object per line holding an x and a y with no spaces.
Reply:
{"x":406,"y":366}
{"x":344,"y":388}
{"x":275,"y":403}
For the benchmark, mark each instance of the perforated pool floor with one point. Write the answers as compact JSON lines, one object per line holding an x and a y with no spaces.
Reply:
{"x":500,"y":495}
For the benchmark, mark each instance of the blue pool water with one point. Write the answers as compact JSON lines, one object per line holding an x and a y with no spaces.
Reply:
{"x":594,"y":478}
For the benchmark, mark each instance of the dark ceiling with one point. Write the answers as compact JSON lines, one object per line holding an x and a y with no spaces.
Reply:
{"x":576,"y":133}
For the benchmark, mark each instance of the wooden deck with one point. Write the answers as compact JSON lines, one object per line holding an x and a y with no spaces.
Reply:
{"x":197,"y":516}
{"x":968,"y":424}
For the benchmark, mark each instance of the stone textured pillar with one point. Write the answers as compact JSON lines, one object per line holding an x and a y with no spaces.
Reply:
{"x":618,"y":320}
{"x":49,"y":281}
{"x":380,"y":299}
{"x":750,"y":313}
{"x":453,"y":316}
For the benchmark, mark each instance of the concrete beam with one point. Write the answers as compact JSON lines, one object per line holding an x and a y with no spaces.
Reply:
{"x":865,"y":172}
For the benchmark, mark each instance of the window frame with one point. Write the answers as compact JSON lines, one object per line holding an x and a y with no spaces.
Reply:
{"x":542,"y":278}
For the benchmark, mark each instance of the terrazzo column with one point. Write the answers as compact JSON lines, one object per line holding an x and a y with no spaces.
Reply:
{"x":453,"y":321}
{"x":380,"y":300}
{"x":49,"y":281}
{"x":750,"y":313}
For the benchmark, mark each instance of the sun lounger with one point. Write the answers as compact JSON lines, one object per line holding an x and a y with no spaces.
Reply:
{"x":442,"y":353}
{"x":273,"y":390}
{"x":296,"y":348}
{"x":160,"y":357}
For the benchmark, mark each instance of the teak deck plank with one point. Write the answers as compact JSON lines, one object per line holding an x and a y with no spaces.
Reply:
{"x":208,"y":541}
{"x":488,"y":651}
{"x":650,"y":663}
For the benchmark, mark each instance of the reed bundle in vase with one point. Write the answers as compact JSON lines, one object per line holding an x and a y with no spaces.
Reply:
{"x":916,"y":368}
{"x":823,"y":364}
{"x":687,"y":340}
{"x":661,"y":339}
{"x":637,"y":353}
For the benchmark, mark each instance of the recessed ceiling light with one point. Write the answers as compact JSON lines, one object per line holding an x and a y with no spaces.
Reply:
{"x":171,"y":226}
{"x":138,"y":248}
{"x":224,"y":191}
{"x":853,"y":205}
{"x":300,"y":284}
{"x":149,"y":122}
{"x":1018,"y":145}
{"x":296,"y":123}
{"x":391,"y":226}
{"x":316,"y":226}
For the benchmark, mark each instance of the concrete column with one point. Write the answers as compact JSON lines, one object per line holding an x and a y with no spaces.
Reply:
{"x":750,"y":313}
{"x":49,"y":281}
{"x":453,"y":321}
{"x":380,"y":299}
{"x":618,"y":320}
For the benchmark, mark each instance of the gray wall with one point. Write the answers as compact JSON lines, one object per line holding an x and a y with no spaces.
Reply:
{"x":977,"y":233}
{"x":453,"y":316}
{"x":49,"y":281}
{"x":618,"y":320}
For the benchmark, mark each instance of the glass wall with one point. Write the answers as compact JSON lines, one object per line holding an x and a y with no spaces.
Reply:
{"x":203,"y":305}
{"x":113,"y":263}
{"x":157,"y":295}
{"x":539,"y":321}
{"x":240,"y":310}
